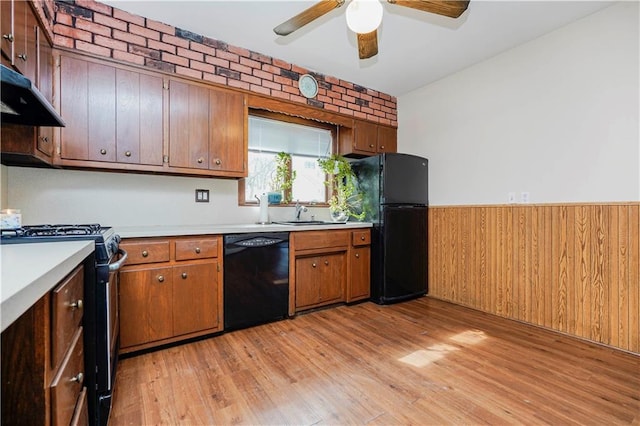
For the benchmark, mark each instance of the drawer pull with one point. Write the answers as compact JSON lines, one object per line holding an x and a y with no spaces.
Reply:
{"x":326,"y":262}
{"x":77,"y":378}
{"x":23,"y":56}
{"x":313,"y":264}
{"x":44,"y":139}
{"x":218,"y":162}
{"x":103,"y":151}
{"x":8,"y":37}
{"x":184,"y":275}
{"x":357,"y":255}
{"x":127,"y":153}
{"x":362,"y":237}
{"x":198,"y":250}
{"x":200,"y":160}
{"x":161,"y":278}
{"x":78,"y":304}
{"x":371,"y":145}
{"x":145,"y":253}
{"x":382,"y":147}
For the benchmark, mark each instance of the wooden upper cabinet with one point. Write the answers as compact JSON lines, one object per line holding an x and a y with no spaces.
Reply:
{"x":207,"y":128}
{"x":6,"y":29}
{"x":227,"y":121}
{"x":364,"y":138}
{"x":387,"y":139}
{"x":188,"y":125}
{"x":112,"y":114}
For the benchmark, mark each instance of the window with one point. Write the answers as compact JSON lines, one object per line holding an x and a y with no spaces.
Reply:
{"x":305,"y":140}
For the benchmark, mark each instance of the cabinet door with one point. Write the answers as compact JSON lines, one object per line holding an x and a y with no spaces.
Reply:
{"x":365,"y":136}
{"x":44,"y":142}
{"x":146,"y":308}
{"x":88,"y":105}
{"x":195,"y":298}
{"x":6,"y":28}
{"x":188,"y":125}
{"x":227,"y":117}
{"x":333,"y":278}
{"x":139,"y":118}
{"x":360,"y":284}
{"x":387,"y":139}
{"x":307,"y":282}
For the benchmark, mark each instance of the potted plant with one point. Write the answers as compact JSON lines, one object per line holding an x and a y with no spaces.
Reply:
{"x":346,"y":199}
{"x":282,"y":179}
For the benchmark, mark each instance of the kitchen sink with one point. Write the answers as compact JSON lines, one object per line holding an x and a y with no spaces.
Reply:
{"x":307,"y":222}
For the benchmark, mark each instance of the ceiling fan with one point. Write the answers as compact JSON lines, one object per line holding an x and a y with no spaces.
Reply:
{"x":364,"y":17}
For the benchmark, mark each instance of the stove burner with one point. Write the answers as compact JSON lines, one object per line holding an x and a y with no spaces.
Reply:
{"x":53,"y":230}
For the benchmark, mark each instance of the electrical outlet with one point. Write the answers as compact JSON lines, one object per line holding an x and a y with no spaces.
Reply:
{"x":202,"y":195}
{"x":524,"y":197}
{"x":511,"y":197}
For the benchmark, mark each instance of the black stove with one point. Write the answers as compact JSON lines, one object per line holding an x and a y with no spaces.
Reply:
{"x":101,"y":320}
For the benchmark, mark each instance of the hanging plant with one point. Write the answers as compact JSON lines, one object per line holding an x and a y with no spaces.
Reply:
{"x":283,"y":176}
{"x":346,"y":199}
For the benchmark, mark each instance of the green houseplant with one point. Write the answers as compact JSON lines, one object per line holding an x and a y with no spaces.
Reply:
{"x":346,"y":199}
{"x":283,"y":177}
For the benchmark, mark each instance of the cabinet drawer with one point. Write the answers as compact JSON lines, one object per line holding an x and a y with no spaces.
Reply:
{"x":146,"y":251}
{"x":196,"y":248}
{"x":320,"y":239}
{"x":67,"y":384}
{"x":67,"y":309}
{"x":361,"y":238}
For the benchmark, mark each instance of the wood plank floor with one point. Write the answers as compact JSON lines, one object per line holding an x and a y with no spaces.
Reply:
{"x":420,"y":362}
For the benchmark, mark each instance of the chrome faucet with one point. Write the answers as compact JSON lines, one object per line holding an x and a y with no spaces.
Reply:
{"x":299,"y":209}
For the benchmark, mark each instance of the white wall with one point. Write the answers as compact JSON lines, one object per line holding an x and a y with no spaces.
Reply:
{"x":556,"y":117}
{"x":120,"y":199}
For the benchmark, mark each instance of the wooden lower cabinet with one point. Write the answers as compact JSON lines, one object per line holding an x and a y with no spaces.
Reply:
{"x":329,"y":267}
{"x":43,"y":360}
{"x":171,"y":291}
{"x":320,"y":279}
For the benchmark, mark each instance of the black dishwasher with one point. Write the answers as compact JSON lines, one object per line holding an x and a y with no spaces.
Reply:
{"x":256,"y":279}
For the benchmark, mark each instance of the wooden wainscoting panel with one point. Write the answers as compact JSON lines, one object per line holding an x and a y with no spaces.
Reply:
{"x":573,"y":268}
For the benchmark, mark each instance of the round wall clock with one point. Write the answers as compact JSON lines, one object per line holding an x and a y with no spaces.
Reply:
{"x":308,"y":86}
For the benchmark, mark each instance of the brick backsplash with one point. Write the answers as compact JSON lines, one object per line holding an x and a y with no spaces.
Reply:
{"x":102,"y":30}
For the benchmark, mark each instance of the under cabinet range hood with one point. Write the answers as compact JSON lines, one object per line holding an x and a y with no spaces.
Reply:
{"x":22,"y":103}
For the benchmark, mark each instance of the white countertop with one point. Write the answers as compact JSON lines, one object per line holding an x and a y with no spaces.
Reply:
{"x":30,"y":270}
{"x":177,"y":230}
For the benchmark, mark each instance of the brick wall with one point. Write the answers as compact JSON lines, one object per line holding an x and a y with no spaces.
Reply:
{"x":96,"y":28}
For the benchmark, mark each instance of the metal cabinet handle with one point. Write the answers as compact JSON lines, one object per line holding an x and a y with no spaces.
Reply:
{"x":184,"y":275}
{"x":198,"y":250}
{"x":44,"y":139}
{"x":145,"y":253}
{"x":161,"y":278}
{"x":313,"y":264}
{"x":103,"y":151}
{"x":371,"y":145}
{"x":218,"y":162}
{"x":200,"y":160}
{"x":23,"y":56}
{"x":381,"y":146}
{"x":127,"y":154}
{"x":77,"y":378}
{"x":357,"y":255}
{"x":362,"y":238}
{"x":8,"y":37}
{"x":326,"y":262}
{"x":78,"y":304}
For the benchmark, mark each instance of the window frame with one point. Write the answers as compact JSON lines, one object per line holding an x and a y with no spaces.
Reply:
{"x":333,"y":128}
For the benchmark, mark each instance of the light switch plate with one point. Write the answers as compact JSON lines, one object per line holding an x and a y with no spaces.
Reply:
{"x":202,"y":195}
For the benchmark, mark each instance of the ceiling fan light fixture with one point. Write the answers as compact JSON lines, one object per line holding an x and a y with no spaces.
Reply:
{"x":364,"y":16}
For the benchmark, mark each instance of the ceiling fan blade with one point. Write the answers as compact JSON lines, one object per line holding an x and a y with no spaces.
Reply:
{"x":303,"y":18}
{"x":368,"y":44}
{"x":450,"y":8}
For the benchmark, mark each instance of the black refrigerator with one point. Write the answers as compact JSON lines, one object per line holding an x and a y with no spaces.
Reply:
{"x":396,"y":198}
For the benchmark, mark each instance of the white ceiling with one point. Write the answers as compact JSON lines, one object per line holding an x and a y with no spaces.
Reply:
{"x":415,"y":48}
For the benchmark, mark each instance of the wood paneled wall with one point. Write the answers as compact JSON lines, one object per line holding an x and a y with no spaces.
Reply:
{"x":572,"y":268}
